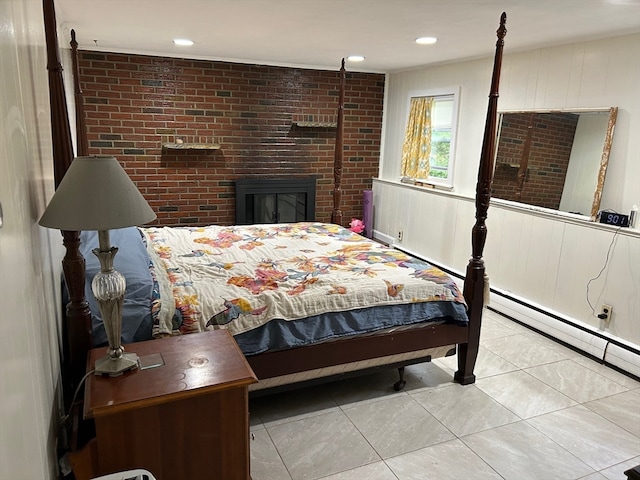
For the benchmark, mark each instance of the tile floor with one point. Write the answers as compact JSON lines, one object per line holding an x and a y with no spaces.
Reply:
{"x":537,"y":411}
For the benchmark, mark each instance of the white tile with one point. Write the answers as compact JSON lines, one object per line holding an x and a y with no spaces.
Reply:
{"x":255,"y":420}
{"x":511,"y":327}
{"x":617,"y":471}
{"x":553,"y":345}
{"x":575,"y":381}
{"x":465,"y":409}
{"x":397,"y":425}
{"x":622,"y":409}
{"x":590,"y":437}
{"x":449,"y":365}
{"x":493,"y":327}
{"x":293,"y":405}
{"x":523,"y":351}
{"x":429,"y":375}
{"x":373,"y":471}
{"x":266,"y":463}
{"x":487,"y":364}
{"x":446,"y":461}
{"x":607,"y":371}
{"x":523,"y":394}
{"x":518,"y":451}
{"x":321,"y":445}
{"x":594,"y":476}
{"x":343,"y":430}
{"x":373,"y":386}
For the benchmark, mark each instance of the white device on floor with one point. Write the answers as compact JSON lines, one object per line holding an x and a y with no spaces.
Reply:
{"x":138,"y":474}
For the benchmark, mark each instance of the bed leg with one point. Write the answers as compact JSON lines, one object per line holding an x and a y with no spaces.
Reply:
{"x":466,"y":363}
{"x":399,"y":385}
{"x":468,"y":352}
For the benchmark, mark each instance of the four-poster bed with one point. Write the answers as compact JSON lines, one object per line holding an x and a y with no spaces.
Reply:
{"x":386,"y":347}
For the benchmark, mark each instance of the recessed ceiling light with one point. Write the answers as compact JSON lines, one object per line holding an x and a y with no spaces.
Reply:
{"x":355,"y":58}
{"x":182,"y":42}
{"x":426,"y":40}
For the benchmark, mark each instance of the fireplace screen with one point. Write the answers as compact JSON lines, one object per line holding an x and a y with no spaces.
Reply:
{"x":269,"y":200}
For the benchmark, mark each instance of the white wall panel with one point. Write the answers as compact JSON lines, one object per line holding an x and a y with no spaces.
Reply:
{"x":597,"y":68}
{"x":505,"y":266}
{"x":575,"y":60}
{"x":543,"y":257}
{"x":436,"y":215}
{"x":29,"y":277}
{"x":535,"y":259}
{"x":460,"y":248}
{"x":582,"y":257}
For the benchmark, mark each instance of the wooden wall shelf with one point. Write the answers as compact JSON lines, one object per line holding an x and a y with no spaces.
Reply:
{"x":191,"y":146}
{"x":316,"y":124}
{"x":515,"y":166}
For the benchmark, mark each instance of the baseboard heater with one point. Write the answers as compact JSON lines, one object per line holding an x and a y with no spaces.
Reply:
{"x":601,"y":345}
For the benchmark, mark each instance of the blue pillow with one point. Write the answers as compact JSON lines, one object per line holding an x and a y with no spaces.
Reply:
{"x":133,"y":262}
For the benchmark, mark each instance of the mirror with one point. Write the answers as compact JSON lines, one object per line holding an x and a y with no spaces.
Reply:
{"x":555,"y":159}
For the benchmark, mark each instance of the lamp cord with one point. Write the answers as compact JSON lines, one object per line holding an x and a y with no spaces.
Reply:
{"x":65,"y":418}
{"x":606,"y":262}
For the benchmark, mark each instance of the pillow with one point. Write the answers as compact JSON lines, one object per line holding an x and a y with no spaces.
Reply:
{"x":133,"y":262}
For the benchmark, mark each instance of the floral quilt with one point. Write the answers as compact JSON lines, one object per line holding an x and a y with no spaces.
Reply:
{"x":240,"y":277}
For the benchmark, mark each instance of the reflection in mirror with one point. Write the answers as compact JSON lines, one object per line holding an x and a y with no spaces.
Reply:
{"x":554,"y":159}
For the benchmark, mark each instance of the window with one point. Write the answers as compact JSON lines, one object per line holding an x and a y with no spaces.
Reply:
{"x":428,"y":150}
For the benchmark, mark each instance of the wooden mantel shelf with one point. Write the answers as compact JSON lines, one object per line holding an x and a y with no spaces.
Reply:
{"x":191,"y":146}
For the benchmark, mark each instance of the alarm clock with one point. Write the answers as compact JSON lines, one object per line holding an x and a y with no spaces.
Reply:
{"x":612,"y":218}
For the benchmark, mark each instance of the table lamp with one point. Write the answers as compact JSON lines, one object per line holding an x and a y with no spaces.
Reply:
{"x":97,"y":194}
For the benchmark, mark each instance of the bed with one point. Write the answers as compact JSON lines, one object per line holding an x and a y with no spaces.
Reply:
{"x":275,"y":287}
{"x":439,"y":320}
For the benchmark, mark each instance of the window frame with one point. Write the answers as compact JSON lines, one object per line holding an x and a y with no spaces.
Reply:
{"x":454,"y":92}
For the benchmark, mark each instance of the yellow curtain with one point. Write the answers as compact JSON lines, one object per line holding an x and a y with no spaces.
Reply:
{"x":417,"y":141}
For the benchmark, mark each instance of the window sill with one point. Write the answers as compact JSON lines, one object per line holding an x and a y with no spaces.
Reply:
{"x":425,"y":187}
{"x":426,"y":184}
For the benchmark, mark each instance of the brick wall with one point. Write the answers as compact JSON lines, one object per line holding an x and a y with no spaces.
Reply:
{"x":136,"y":103}
{"x":550,"y":148}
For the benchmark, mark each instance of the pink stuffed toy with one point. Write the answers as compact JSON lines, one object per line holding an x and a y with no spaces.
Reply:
{"x":356,"y":225}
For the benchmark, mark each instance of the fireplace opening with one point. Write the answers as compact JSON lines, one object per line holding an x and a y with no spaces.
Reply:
{"x":275,"y":200}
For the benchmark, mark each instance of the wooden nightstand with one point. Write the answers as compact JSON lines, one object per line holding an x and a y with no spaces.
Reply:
{"x":186,"y":419}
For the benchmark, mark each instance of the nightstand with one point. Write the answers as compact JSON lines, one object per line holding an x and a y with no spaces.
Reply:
{"x":185,"y":419}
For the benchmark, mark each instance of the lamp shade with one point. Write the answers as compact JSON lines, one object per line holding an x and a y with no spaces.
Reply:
{"x":96,"y":194}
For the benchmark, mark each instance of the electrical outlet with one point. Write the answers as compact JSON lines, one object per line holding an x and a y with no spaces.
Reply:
{"x":605,"y":312}
{"x":400,"y":235}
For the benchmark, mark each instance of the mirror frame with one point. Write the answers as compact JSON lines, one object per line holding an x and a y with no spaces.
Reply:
{"x":606,"y":149}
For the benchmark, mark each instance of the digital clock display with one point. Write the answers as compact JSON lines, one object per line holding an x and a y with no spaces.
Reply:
{"x":617,"y":219}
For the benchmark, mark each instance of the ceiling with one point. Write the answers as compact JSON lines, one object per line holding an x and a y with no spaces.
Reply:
{"x":317,"y":34}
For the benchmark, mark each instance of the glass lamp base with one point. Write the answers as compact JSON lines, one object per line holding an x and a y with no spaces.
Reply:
{"x":115,"y":367}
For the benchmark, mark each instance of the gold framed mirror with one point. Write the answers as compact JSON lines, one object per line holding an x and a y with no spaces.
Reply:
{"x":554,"y":159}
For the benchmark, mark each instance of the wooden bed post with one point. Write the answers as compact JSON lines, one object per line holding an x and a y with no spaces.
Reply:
{"x":336,"y":214}
{"x":474,"y":285}
{"x":78,"y":315}
{"x":81,"y":127}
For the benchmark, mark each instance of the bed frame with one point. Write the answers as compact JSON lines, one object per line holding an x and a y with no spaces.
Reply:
{"x":363,"y":351}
